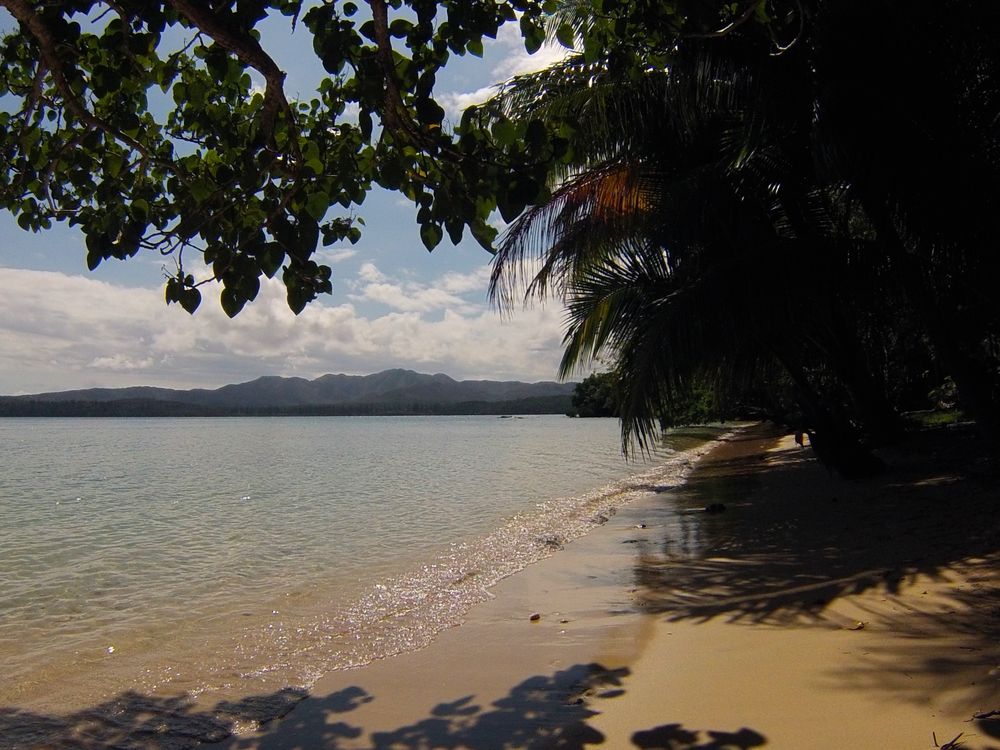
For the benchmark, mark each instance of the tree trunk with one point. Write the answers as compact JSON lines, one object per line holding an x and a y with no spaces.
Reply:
{"x":832,"y":437}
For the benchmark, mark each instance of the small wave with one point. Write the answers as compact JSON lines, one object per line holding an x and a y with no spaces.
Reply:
{"x":405,"y":612}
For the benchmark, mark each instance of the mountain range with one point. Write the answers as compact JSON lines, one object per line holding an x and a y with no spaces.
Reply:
{"x":389,"y":392}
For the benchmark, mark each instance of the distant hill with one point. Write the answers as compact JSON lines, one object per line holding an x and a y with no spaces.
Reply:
{"x":388,"y":392}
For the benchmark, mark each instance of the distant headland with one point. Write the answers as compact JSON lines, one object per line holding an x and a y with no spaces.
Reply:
{"x":394,"y":392}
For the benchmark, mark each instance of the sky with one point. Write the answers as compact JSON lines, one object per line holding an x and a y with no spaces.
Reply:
{"x":393,"y":303}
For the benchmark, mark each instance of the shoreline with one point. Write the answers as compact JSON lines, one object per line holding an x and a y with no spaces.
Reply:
{"x":811,"y":612}
{"x":66,"y":717}
{"x":759,"y":626}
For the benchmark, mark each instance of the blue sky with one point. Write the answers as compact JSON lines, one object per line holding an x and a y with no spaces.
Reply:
{"x":393,"y":305}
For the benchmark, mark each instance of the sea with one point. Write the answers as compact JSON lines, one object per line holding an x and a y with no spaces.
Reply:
{"x":220,"y":558}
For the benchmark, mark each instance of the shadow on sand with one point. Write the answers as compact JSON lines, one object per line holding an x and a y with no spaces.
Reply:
{"x":783,"y":555}
{"x":133,"y":720}
{"x":544,"y":711}
{"x":792,"y":540}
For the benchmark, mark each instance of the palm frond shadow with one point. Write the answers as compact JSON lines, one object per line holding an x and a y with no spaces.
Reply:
{"x":793,"y":540}
{"x":956,"y":647}
{"x":784,"y":555}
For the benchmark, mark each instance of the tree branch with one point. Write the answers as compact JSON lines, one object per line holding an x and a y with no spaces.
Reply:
{"x":396,"y":116}
{"x":47,"y":48}
{"x":247,"y":49}
{"x":35,"y":97}
{"x":394,"y":119}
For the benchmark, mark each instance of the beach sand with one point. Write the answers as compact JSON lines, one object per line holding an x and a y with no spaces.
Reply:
{"x":810,"y":613}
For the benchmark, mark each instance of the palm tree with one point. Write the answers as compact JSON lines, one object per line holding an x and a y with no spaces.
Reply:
{"x":679,"y":241}
{"x":816,"y":207}
{"x":909,"y":120}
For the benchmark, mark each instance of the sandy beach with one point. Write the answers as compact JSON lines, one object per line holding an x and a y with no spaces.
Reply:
{"x":810,"y":613}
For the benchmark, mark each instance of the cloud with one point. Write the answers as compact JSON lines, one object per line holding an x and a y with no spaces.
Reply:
{"x":514,"y":61}
{"x":410,"y":298}
{"x":517,"y":61}
{"x":121,"y":363}
{"x":369,"y":273}
{"x":455,"y":103}
{"x":462,"y":283}
{"x":443,"y":294}
{"x":334,"y":255}
{"x":63,"y":331}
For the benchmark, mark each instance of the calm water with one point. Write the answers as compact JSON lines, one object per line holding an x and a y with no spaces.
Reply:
{"x":231,"y":556}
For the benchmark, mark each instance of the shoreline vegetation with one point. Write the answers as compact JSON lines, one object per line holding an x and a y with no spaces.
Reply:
{"x":811,"y":612}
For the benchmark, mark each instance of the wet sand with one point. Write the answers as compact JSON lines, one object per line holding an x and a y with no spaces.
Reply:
{"x":810,"y":613}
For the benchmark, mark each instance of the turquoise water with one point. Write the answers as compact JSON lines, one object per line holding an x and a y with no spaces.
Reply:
{"x":229,"y":556}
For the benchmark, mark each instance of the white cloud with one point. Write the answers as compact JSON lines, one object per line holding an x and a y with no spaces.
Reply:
{"x":62,"y":331}
{"x":409,"y":298}
{"x":455,"y":103}
{"x":445,"y":293}
{"x":514,"y":61}
{"x":517,"y":61}
{"x":334,"y":255}
{"x":369,"y":273}
{"x":121,"y":363}
{"x":462,"y":283}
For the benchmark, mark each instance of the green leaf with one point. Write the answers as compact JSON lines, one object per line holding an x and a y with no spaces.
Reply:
{"x":190,"y":299}
{"x":566,"y":36}
{"x":271,"y":259}
{"x":533,"y":34}
{"x":317,"y":204}
{"x":232,"y":302}
{"x":475,"y":47}
{"x":96,"y":253}
{"x":504,"y":132}
{"x":485,"y":234}
{"x":523,"y":191}
{"x":399,"y":28}
{"x":455,"y":230}
{"x":431,"y":235}
{"x":365,"y":123}
{"x":429,"y":112}
{"x":172,"y":290}
{"x":536,"y":135}
{"x":249,"y":287}
{"x":308,"y":238}
{"x":391,"y":174}
{"x":139,"y":209}
{"x":509,"y":206}
{"x":113,"y":163}
{"x":297,"y":299}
